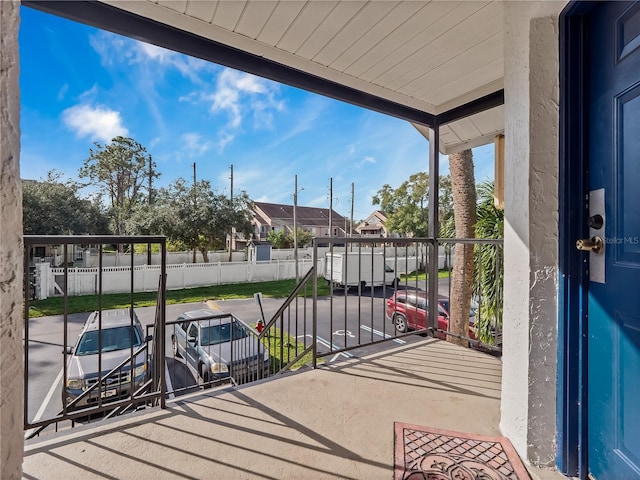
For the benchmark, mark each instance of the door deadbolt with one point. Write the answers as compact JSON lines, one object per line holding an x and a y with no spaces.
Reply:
{"x":593,"y":244}
{"x":596,"y":221}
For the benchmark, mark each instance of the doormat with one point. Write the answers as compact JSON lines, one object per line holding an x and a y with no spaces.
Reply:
{"x":424,"y":453}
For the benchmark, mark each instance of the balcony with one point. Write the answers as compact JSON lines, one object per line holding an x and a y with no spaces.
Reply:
{"x":336,"y":420}
{"x":333,"y":422}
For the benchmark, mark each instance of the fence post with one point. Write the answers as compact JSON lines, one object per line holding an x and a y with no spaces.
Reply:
{"x":42,"y":280}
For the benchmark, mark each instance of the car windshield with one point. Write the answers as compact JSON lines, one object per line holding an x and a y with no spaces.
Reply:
{"x":117,"y":338}
{"x":215,"y":334}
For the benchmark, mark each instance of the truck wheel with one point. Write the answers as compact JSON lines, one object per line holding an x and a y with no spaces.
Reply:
{"x":361,"y":286}
{"x":400,"y":322}
{"x":174,"y":347}
{"x":395,"y":283}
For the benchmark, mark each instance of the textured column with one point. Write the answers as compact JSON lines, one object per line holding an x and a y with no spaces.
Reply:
{"x":528,"y":407}
{"x":11,"y":357}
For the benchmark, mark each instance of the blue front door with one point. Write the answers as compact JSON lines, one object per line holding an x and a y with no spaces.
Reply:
{"x":613,"y":326}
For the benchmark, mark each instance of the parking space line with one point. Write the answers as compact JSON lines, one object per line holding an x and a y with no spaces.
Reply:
{"x":380,"y":334}
{"x":46,"y":401}
{"x":167,"y":379}
{"x":328,"y":345}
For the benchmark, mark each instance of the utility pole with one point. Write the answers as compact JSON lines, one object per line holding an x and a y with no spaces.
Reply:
{"x":150,"y":179}
{"x":194,"y":176}
{"x":149,"y":203}
{"x":195,"y":202}
{"x":351,"y":224}
{"x":330,"y":206}
{"x":295,"y":224}
{"x":231,"y":234}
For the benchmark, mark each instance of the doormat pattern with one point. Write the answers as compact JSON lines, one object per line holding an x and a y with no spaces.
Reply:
{"x":424,"y":453}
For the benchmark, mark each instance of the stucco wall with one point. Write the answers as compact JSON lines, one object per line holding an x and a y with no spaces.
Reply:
{"x":11,"y":359}
{"x":528,"y":414}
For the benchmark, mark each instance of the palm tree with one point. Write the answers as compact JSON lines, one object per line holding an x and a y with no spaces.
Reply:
{"x":487,"y":285}
{"x":464,"y":208}
{"x":488,"y":258}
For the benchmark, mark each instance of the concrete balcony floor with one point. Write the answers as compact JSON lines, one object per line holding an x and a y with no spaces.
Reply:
{"x":333,"y":422}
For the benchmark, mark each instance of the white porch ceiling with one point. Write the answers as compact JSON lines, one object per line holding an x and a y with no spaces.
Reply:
{"x":429,"y":55}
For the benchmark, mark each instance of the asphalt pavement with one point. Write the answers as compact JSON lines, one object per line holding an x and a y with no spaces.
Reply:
{"x":344,"y":320}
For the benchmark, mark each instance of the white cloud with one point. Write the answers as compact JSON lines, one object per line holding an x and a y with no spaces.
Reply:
{"x":63,"y":91}
{"x":187,"y":66}
{"x":195,"y":145}
{"x":237,"y":93}
{"x":366,"y":160}
{"x":224,"y":139}
{"x":162,"y":55}
{"x":97,"y":123}
{"x":231,"y":84}
{"x":115,"y":49}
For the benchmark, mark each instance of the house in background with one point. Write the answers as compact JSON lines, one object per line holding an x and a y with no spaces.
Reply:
{"x":374,"y":226}
{"x":275,"y":217}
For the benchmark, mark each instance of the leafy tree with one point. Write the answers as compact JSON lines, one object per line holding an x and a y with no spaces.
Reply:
{"x":51,"y":207}
{"x":445,"y":200}
{"x":123,"y":170}
{"x":304,"y":238}
{"x":406,"y":207}
{"x":278,"y":239}
{"x":195,"y":216}
{"x":488,"y":278}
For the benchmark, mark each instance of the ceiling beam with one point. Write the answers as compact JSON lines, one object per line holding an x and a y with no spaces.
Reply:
{"x":478,"y":105}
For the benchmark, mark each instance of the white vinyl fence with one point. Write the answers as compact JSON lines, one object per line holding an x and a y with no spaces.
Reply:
{"x":85,"y":281}
{"x":49,"y":281}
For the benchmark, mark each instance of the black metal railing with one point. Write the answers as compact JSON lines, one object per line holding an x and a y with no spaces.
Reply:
{"x":357,"y":314}
{"x":487,"y":292}
{"x":380,"y":291}
{"x":101,"y":362}
{"x":362,"y":274}
{"x":289,"y":334}
{"x":212,"y":349}
{"x":359,"y":295}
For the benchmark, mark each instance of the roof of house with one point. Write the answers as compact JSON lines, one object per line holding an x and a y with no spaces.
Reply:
{"x":308,"y":216}
{"x":379,"y":218}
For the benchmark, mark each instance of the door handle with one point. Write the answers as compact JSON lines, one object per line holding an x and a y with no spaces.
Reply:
{"x":593,"y":244}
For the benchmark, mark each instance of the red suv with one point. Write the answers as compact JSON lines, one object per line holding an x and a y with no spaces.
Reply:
{"x":408,"y":310}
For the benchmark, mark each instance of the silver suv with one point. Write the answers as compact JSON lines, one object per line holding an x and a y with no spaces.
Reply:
{"x":109,"y":347}
{"x":218,"y":346}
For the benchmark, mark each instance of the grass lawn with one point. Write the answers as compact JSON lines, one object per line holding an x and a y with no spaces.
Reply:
{"x":423,"y":275}
{"x":291,"y":348}
{"x":88,"y":303}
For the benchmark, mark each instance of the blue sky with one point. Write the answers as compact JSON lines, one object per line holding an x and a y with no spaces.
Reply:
{"x":81,"y":85}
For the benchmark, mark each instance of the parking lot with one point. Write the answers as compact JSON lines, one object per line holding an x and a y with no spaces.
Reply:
{"x":343,"y":321}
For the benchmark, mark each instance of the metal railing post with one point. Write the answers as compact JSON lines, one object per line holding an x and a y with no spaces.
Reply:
{"x":314,"y":334}
{"x":163,"y":328}
{"x":434,"y":224}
